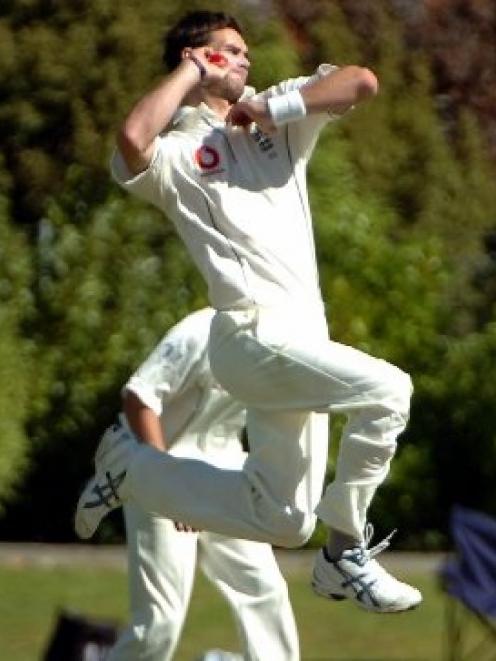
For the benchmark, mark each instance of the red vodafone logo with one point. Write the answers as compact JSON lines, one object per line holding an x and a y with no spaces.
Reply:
{"x":207,"y":157}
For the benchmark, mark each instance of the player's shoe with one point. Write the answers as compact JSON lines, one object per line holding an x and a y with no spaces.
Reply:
{"x":356,"y":575}
{"x":105,"y":490}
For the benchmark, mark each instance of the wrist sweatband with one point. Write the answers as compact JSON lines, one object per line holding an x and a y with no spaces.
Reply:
{"x":287,"y":107}
{"x":201,"y":68}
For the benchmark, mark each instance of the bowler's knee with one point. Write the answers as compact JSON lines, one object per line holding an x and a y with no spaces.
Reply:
{"x":404,"y":393}
{"x":405,"y":384}
{"x":294,"y":531}
{"x":398,"y":387}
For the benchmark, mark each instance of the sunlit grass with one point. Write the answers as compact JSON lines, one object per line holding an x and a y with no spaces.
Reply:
{"x":31,"y":597}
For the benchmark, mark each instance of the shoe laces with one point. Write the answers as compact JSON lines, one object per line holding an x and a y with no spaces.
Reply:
{"x":363,"y":554}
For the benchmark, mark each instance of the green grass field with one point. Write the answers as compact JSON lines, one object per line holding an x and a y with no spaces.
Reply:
{"x":30,"y":598}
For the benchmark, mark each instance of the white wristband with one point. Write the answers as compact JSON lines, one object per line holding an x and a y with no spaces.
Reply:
{"x":287,"y":107}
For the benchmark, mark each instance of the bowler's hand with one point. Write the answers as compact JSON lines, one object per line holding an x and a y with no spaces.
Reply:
{"x":214,"y":64}
{"x":243,"y":113}
{"x":182,"y":527}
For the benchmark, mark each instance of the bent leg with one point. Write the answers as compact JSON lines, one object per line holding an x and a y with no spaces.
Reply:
{"x":209,"y":498}
{"x":367,"y":446}
{"x":248,"y":576}
{"x":161,"y":568}
{"x":281,"y":383}
{"x":287,"y":462}
{"x":276,"y":364}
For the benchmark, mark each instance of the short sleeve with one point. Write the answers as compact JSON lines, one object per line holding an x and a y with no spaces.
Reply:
{"x":165,"y":371}
{"x":151,"y":184}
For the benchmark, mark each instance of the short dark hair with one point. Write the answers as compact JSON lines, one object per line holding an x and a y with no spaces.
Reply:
{"x":194,"y":29}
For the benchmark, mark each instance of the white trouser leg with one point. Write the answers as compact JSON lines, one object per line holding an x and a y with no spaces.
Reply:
{"x":281,"y":381}
{"x":287,"y":462}
{"x":367,"y":447}
{"x":248,"y":576}
{"x":277,"y":363}
{"x":161,"y":569}
{"x":229,"y":502}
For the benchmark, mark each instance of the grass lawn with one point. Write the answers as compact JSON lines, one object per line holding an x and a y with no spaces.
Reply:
{"x":30,"y":598}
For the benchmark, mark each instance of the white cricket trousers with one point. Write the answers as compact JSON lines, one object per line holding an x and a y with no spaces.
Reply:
{"x":282,"y":366}
{"x":161,"y":570}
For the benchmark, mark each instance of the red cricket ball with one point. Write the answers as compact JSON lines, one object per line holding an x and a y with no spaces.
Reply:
{"x":217,"y":58}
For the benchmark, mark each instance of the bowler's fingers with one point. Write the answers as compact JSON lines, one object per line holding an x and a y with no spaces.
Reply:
{"x":183,"y":527}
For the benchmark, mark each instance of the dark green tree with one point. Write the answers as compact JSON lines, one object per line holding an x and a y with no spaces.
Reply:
{"x":112,"y":279}
{"x":15,"y":353}
{"x":68,"y":71}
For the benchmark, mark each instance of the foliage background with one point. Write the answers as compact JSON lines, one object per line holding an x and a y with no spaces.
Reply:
{"x":405,"y":216}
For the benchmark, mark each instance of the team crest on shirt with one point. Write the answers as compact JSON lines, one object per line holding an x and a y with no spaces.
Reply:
{"x":208,"y":160}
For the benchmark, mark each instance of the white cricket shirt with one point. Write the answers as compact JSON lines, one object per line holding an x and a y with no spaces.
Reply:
{"x":238,"y":199}
{"x":176,"y":382}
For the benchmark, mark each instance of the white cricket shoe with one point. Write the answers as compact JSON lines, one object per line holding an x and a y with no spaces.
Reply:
{"x":104,"y":491}
{"x":357,"y":576}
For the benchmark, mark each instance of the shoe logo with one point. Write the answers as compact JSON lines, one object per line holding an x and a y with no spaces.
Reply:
{"x":358,"y":584}
{"x":106,"y":493}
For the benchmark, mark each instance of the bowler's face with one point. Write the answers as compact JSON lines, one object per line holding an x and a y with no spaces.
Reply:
{"x":231,"y":45}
